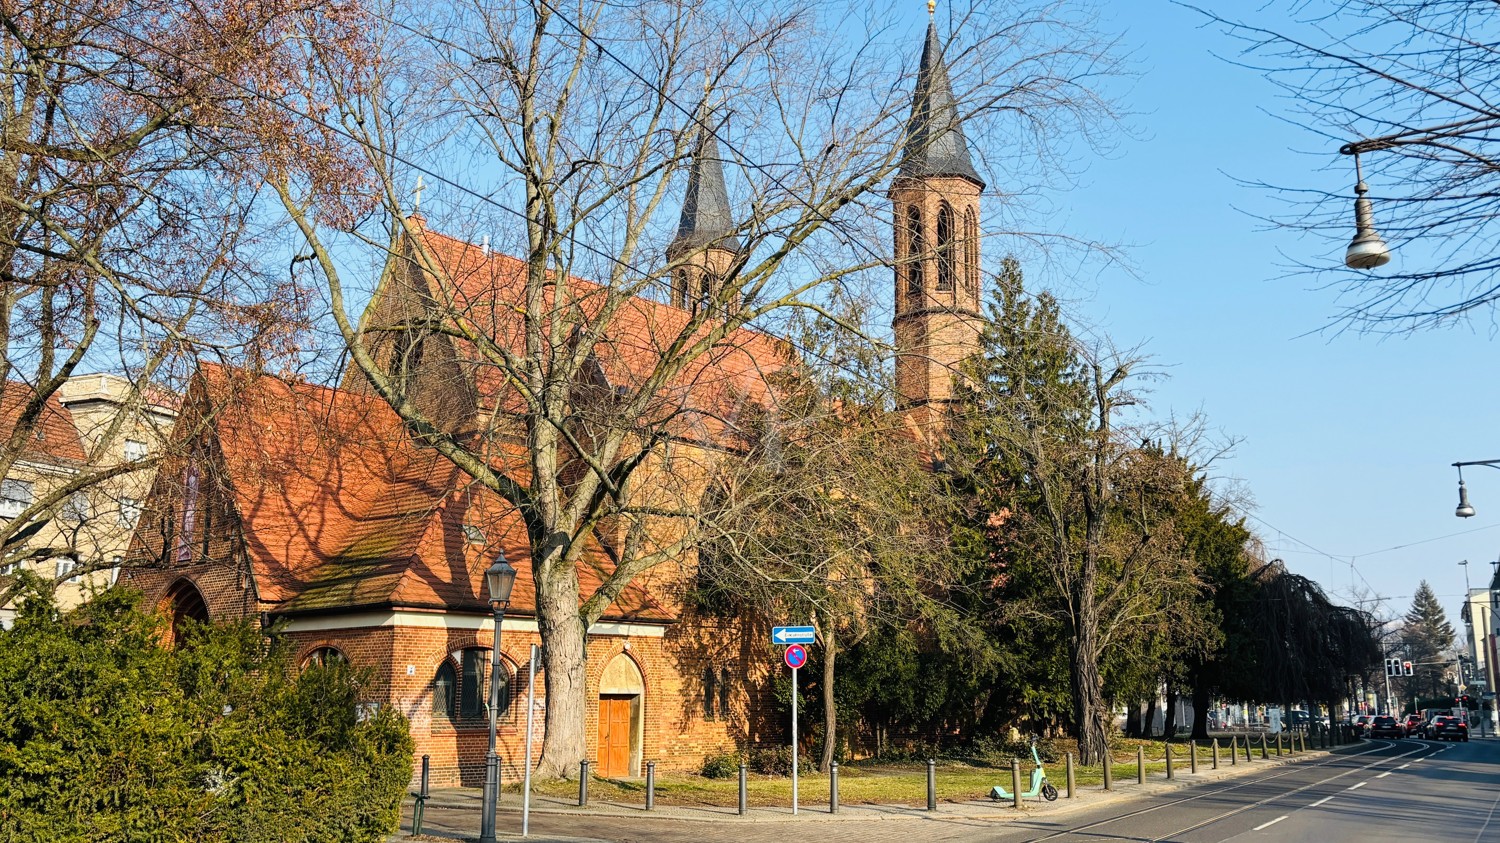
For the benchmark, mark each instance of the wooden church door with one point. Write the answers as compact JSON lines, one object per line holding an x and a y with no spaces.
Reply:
{"x":614,"y":736}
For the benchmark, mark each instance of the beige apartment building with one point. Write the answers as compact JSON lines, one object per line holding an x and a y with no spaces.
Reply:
{"x":94,"y":425}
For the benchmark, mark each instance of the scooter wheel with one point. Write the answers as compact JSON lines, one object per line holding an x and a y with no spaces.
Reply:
{"x":1049,"y":792}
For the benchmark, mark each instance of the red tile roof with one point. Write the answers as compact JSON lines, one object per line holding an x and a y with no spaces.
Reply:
{"x":58,"y":440}
{"x":341,"y":509}
{"x":699,"y":403}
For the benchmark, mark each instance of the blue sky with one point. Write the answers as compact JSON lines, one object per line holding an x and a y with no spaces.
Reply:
{"x":1347,"y":437}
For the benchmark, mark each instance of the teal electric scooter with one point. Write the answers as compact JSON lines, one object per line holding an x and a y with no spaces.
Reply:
{"x":1039,"y":783}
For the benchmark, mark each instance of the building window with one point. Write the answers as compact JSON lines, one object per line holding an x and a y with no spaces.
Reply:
{"x":135,"y":450}
{"x":710,"y":693}
{"x":971,"y":253}
{"x":15,"y":496}
{"x":130,"y":512}
{"x":916,"y":247}
{"x":65,"y":567}
{"x":324,"y":656}
{"x":473,"y":534}
{"x":724,"y":693}
{"x":461,"y":694}
{"x":945,"y":250}
{"x":77,"y":508}
{"x":680,"y":287}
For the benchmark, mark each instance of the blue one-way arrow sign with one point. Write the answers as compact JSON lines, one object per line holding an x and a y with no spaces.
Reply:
{"x":793,"y":635}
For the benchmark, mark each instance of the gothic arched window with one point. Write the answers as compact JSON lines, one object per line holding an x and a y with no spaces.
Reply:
{"x":945,"y":249}
{"x":680,"y":287}
{"x":971,"y":252}
{"x":916,"y":247}
{"x":710,"y":692}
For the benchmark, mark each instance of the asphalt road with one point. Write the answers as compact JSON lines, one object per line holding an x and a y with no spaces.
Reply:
{"x":1385,"y":790}
{"x":1381,"y":790}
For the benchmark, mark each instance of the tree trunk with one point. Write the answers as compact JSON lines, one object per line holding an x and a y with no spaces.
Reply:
{"x":1133,"y":719}
{"x":830,"y":707}
{"x":1169,"y":722}
{"x":565,"y":741}
{"x":1201,"y":702}
{"x":1148,"y":722}
{"x":1089,"y":710}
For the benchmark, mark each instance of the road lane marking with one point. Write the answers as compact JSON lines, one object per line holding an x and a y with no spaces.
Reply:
{"x":1383,"y":775}
{"x":1403,"y":766}
{"x":1357,"y":786}
{"x":1269,"y":824}
{"x":1320,"y":802}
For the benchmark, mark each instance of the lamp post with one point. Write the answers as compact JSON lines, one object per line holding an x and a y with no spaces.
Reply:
{"x":1367,"y":250}
{"x":499,"y":579}
{"x":1466,"y":509}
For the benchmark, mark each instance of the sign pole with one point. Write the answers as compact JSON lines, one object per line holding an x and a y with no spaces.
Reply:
{"x":794,"y":741}
{"x":530,"y":707}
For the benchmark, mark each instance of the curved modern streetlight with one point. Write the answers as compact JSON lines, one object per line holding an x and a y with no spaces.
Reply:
{"x":499,"y":579}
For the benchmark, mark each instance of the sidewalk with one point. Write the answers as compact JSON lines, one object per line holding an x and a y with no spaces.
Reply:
{"x":453,"y":814}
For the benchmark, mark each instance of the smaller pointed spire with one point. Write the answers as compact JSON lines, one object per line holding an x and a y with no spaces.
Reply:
{"x":706,"y":216}
{"x":935,"y":142}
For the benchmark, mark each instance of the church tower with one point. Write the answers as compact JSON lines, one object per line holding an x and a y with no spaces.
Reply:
{"x":704,"y":240}
{"x":935,"y":204}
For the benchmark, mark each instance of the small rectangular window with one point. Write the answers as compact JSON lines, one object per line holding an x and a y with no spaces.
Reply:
{"x":65,"y":569}
{"x":135,"y":450}
{"x":130,"y":512}
{"x":77,"y":508}
{"x":15,"y":496}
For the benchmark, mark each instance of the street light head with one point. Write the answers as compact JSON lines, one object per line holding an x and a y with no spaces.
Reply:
{"x":1465,"y":509}
{"x":1366,"y":250}
{"x":500,"y":578}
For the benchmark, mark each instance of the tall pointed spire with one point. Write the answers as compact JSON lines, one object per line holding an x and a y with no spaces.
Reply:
{"x":706,"y":217}
{"x":935,"y":143}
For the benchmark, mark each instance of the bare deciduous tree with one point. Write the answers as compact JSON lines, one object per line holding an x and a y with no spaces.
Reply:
{"x":586,"y":119}
{"x":132,"y":140}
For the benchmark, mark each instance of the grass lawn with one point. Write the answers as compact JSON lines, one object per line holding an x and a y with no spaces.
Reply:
{"x":880,"y":783}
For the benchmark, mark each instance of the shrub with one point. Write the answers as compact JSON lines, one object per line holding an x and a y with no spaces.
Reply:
{"x":218,"y":739}
{"x":776,"y":760}
{"x":725,"y":765}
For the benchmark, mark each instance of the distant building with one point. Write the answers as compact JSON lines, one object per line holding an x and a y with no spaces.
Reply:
{"x":91,"y":426}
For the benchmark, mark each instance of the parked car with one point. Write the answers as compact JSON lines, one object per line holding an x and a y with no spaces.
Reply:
{"x":1448,"y":729}
{"x":1359,"y":724}
{"x":1413,"y":725}
{"x":1386,"y":726}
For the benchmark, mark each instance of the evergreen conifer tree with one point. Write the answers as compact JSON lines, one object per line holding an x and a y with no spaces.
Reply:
{"x":1429,"y":638}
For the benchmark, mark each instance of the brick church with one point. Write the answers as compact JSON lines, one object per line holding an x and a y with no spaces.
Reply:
{"x":310,"y":508}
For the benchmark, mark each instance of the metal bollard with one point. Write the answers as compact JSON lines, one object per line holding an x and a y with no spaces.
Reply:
{"x":1278,"y":744}
{"x":1264,"y":754}
{"x":1071,"y":780}
{"x":932,"y":784}
{"x":650,"y":785}
{"x":1015,"y":783}
{"x":419,"y":810}
{"x":1234,"y":750}
{"x":744,"y":800}
{"x":1140,"y":765}
{"x":1248,"y":757}
{"x":833,"y":788}
{"x":1108,"y":772}
{"x":583,"y":784}
{"x":1216,"y":753}
{"x":1168,"y":748}
{"x":1193,"y":757}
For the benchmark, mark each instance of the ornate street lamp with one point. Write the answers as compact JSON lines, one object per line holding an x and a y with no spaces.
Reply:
{"x":499,"y":579}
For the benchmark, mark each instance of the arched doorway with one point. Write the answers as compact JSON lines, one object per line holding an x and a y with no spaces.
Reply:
{"x":183,"y":602}
{"x":622,"y":697}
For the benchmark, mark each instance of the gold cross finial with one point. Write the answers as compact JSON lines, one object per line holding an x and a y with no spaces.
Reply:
{"x":931,"y":7}
{"x":416,"y":207}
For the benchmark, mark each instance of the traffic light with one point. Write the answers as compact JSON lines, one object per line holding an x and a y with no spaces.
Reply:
{"x":1392,"y":667}
{"x":1406,"y":668}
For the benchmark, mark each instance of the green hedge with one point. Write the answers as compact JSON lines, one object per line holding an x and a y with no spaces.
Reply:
{"x":107,"y":736}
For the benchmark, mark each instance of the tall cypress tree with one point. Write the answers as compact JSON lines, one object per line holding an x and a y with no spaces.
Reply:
{"x":1429,"y":638}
